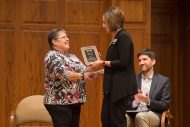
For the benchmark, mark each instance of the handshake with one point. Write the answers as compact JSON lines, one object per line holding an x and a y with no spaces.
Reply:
{"x":90,"y":75}
{"x":94,"y":70}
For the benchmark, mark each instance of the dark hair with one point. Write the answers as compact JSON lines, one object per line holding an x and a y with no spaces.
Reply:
{"x":149,"y":52}
{"x":53,"y":35}
{"x":114,"y":18}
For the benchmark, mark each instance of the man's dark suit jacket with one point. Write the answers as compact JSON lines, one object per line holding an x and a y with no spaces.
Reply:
{"x":159,"y":93}
{"x":120,"y":78}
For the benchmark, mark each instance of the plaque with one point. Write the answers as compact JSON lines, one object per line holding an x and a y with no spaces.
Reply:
{"x":90,"y":54}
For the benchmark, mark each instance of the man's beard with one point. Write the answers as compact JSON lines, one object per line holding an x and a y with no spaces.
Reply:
{"x":145,"y":69}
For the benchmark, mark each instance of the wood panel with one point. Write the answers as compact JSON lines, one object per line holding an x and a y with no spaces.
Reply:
{"x":83,"y":12}
{"x":185,"y":83}
{"x":139,"y":39}
{"x":165,"y":43}
{"x":34,"y":48}
{"x":40,"y":14}
{"x":6,"y":16}
{"x":163,"y":62}
{"x":135,"y":10}
{"x":137,"y":13}
{"x":7,"y":58}
{"x":38,"y":11}
{"x":185,"y":46}
{"x":6,"y":63}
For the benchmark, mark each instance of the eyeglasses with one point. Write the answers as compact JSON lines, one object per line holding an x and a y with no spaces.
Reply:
{"x":62,"y":37}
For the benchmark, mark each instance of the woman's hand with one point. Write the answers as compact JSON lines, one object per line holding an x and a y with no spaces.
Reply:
{"x":90,"y":75}
{"x":97,"y":64}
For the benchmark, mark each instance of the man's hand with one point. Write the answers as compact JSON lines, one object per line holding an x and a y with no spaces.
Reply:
{"x":137,"y":100}
{"x":141,"y":97}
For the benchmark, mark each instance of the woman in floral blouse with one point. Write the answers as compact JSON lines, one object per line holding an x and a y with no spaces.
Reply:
{"x":65,"y":77}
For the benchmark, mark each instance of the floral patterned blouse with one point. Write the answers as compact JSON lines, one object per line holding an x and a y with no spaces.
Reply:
{"x":58,"y":89}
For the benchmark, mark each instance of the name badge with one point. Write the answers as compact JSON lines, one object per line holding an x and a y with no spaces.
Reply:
{"x":114,"y":41}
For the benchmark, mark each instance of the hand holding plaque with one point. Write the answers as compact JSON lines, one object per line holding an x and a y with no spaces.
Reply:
{"x":90,"y":54}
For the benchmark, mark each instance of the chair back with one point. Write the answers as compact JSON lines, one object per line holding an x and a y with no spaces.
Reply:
{"x":31,"y":109}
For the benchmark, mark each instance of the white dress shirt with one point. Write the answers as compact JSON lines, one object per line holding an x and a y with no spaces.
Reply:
{"x":145,"y":87}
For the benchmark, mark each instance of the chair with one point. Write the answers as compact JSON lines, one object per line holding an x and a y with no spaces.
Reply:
{"x":166,"y":118}
{"x":30,"y":110}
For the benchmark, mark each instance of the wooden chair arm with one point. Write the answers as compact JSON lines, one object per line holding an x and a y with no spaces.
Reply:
{"x":165,"y":115}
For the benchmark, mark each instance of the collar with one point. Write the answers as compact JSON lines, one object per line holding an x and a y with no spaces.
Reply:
{"x":60,"y":51}
{"x":149,"y":77}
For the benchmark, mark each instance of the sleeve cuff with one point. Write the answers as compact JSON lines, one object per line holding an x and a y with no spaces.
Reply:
{"x":134,"y":104}
{"x":148,"y":103}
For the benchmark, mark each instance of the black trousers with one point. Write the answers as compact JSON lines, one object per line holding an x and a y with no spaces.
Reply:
{"x":64,"y":115}
{"x":113,"y":114}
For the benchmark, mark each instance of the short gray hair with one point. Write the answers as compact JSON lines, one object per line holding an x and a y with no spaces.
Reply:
{"x":53,"y":35}
{"x":114,"y":18}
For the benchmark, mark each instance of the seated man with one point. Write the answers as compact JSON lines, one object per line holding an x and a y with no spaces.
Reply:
{"x":153,"y":95}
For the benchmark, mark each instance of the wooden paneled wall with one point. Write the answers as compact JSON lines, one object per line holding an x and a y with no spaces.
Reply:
{"x":138,"y":23}
{"x":185,"y":68}
{"x":24,"y":26}
{"x":165,"y":43}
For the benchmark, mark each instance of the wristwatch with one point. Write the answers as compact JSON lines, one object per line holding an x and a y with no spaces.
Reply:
{"x":104,"y":64}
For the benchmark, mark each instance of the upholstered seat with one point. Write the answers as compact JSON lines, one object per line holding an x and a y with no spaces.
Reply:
{"x":30,"y":110}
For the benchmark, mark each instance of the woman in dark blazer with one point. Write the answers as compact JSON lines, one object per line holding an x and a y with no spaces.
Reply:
{"x":119,"y":74}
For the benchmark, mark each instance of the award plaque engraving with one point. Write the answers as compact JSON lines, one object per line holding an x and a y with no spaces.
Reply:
{"x":90,"y":54}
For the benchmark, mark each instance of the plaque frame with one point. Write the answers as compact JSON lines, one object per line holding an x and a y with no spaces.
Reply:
{"x":93,"y":51}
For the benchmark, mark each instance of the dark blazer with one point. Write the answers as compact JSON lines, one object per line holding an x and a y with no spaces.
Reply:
{"x":159,"y":93}
{"x":120,"y":79}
